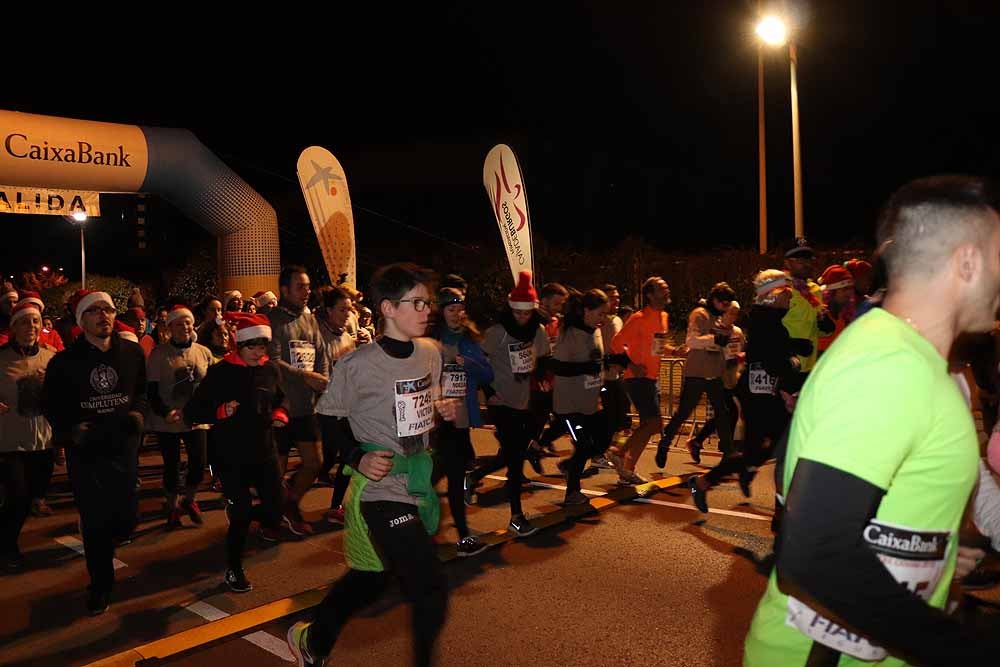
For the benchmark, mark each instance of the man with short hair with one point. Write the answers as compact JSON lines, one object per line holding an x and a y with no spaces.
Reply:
{"x":644,"y":338}
{"x":882,"y":456}
{"x":297,"y":347}
{"x":551,"y":302}
{"x":807,"y":315}
{"x":94,"y":396}
{"x":613,"y":397}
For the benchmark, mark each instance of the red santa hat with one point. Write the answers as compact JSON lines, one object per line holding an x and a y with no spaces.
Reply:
{"x":229,"y":296}
{"x":125,"y":332}
{"x":523,"y":296}
{"x":178,"y":311}
{"x":31,"y":297}
{"x":836,"y":277}
{"x":23,"y":309}
{"x":84,"y":299}
{"x":265,"y":299}
{"x":250,"y":326}
{"x":859,"y":268}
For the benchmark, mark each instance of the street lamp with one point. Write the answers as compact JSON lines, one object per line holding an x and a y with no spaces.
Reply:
{"x":772,"y":31}
{"x":79,"y":217}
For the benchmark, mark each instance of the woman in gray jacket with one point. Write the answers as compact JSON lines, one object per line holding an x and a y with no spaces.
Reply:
{"x":25,"y":435}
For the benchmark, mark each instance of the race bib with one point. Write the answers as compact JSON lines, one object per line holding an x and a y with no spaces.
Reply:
{"x":593,"y":381}
{"x":915,"y":559}
{"x":301,"y":355}
{"x":761,"y":382}
{"x":734,"y":348}
{"x":659,"y":344}
{"x":414,"y":406}
{"x":453,"y":381}
{"x":522,"y":357}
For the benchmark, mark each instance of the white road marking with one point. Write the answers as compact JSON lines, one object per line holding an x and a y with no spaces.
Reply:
{"x":262,"y":639}
{"x":77,"y":546}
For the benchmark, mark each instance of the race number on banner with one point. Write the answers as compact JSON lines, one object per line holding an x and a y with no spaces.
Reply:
{"x":659,"y":344}
{"x":522,"y":357}
{"x":453,"y":381}
{"x":301,"y":355}
{"x":505,"y":188}
{"x":414,"y":406}
{"x":915,"y":558}
{"x":761,"y":382}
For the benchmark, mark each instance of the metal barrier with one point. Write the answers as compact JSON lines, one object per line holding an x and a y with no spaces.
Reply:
{"x":671,"y":381}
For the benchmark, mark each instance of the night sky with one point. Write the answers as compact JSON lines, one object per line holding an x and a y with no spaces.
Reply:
{"x":628,"y":118}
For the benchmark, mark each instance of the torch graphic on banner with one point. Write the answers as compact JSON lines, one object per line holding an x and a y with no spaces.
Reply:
{"x":324,"y":187}
{"x":505,"y":189}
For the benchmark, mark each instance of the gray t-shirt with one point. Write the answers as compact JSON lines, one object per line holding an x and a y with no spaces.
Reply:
{"x":178,"y":371}
{"x":382,"y":396}
{"x":513,"y":363}
{"x":453,"y":383}
{"x":578,"y":393}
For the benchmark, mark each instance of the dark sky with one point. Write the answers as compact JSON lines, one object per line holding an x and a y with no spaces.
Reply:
{"x":628,"y":118}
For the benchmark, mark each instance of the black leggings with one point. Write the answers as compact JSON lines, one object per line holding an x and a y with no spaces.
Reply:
{"x":691,"y":392}
{"x":514,"y":431}
{"x":409,"y":553}
{"x":24,"y":476}
{"x":333,"y":447}
{"x":236,"y":483}
{"x":590,"y":437}
{"x":614,"y":399}
{"x":170,"y":448}
{"x":454,"y":448}
{"x":710,"y":425}
{"x":766,"y":419}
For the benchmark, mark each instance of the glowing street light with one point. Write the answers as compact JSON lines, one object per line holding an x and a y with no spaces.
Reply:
{"x":79,"y":216}
{"x":772,"y":30}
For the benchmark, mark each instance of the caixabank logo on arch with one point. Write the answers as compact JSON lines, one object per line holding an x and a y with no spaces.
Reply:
{"x":43,"y":151}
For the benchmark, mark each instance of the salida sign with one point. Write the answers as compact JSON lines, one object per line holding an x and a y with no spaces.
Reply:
{"x":48,"y":202}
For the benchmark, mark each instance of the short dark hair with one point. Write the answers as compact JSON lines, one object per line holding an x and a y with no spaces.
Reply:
{"x":608,"y":287}
{"x":649,"y":286}
{"x":927,"y":219}
{"x":289,"y":272}
{"x":722,"y":292}
{"x":331,"y":296}
{"x":552,"y":289}
{"x":456,"y":281}
{"x":392,"y":281}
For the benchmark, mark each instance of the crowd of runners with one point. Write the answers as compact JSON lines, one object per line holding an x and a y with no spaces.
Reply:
{"x":857,"y":380}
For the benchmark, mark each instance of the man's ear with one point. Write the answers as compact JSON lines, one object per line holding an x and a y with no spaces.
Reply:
{"x":386,"y":308}
{"x":968,"y":261}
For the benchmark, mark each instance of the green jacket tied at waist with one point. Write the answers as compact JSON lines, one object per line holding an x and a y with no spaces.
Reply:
{"x":358,"y":547}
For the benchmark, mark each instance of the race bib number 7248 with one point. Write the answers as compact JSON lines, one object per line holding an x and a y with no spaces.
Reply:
{"x":414,"y":405}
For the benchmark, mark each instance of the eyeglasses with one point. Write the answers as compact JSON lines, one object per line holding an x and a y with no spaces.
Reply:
{"x":418,"y":304}
{"x":93,"y":310}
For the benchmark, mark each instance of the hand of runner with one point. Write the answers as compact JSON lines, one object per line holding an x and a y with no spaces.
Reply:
{"x":447,"y":408}
{"x":968,"y":560}
{"x":460,"y":360}
{"x":376,"y":465}
{"x":790,"y":400}
{"x":316,"y":381}
{"x":173,"y":417}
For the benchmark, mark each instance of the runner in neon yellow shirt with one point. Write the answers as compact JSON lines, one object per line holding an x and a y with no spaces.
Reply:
{"x":882,"y":456}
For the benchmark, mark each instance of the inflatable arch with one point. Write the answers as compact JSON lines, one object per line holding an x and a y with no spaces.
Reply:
{"x":49,"y":152}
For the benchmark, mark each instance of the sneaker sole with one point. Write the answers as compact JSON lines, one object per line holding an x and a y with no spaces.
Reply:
{"x":528,"y":533}
{"x":466,"y":554}
{"x":291,"y":527}
{"x":293,"y":647}
{"x":234,"y":589}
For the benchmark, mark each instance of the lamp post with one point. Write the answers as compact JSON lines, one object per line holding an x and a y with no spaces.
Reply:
{"x":772,"y":31}
{"x":80,"y":218}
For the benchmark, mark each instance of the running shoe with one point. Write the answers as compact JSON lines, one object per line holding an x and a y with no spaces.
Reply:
{"x":269,"y":534}
{"x":97,"y":602}
{"x":335,"y":516}
{"x":575,"y":498}
{"x":631,"y":478}
{"x":522,"y":526}
{"x":174,"y":518}
{"x":534,"y":457}
{"x":296,"y":637}
{"x":237,"y":581}
{"x":193,"y":511}
{"x":470,"y":546}
{"x":698,"y":495}
{"x":661,"y":454}
{"x":563,"y":467}
{"x":601,"y":462}
{"x":694,"y":447}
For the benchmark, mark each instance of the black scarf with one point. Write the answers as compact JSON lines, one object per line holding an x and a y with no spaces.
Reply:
{"x":525,"y":333}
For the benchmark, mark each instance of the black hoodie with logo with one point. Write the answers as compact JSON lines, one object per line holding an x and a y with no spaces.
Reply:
{"x":104,"y":390}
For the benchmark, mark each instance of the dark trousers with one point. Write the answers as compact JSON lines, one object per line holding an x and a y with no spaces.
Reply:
{"x":409,"y":554}
{"x":236,"y":483}
{"x":514,"y":431}
{"x":614,"y":399}
{"x":333,"y":447}
{"x":453,"y":449}
{"x":195,"y":442}
{"x":766,"y":419}
{"x":547,"y":428}
{"x":691,"y":392}
{"x":24,"y":476}
{"x":590,"y":436}
{"x":710,"y":425}
{"x":104,"y":491}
